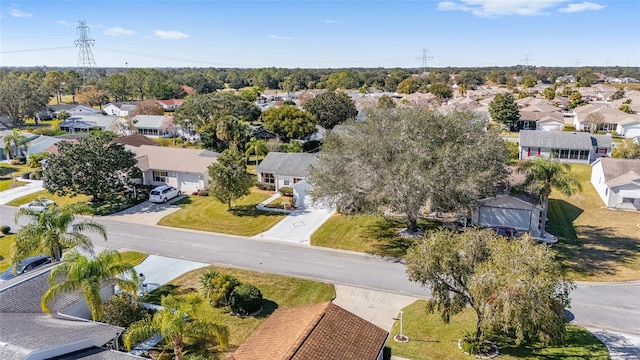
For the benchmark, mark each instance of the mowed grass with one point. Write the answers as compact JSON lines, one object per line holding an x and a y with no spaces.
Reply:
{"x":279,"y":292}
{"x":595,"y":243}
{"x":133,"y":258}
{"x":208,"y":214}
{"x":10,"y":175}
{"x":431,"y":338}
{"x":371,"y":234}
{"x":60,"y":200}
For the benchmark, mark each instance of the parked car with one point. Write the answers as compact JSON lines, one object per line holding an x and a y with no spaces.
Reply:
{"x":163,"y":194}
{"x":39,"y":205}
{"x":505,"y":231}
{"x":24,"y":266}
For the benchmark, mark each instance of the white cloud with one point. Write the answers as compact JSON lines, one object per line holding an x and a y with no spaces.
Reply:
{"x":329,"y":21}
{"x":584,"y":6}
{"x":170,"y":34}
{"x":63,"y":23}
{"x":278,"y":37}
{"x":117,"y":31}
{"x":17,"y":13}
{"x":490,"y":8}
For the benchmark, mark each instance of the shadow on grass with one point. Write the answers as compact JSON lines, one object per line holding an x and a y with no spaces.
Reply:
{"x":6,"y":170}
{"x":597,"y":251}
{"x":155,"y":296}
{"x":586,"y":346}
{"x":268,"y":307}
{"x":184,"y":201}
{"x":251,"y":211}
{"x":387,"y":241}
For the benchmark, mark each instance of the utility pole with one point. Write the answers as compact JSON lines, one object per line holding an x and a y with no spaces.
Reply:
{"x":424,"y":59}
{"x":86,"y":62}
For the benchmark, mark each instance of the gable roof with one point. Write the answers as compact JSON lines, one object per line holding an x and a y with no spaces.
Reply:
{"x":563,"y":140}
{"x":172,"y":102}
{"x":318,"y":331}
{"x":613,"y":168}
{"x":174,"y":159}
{"x":152,"y":121}
{"x":507,"y":202}
{"x":287,"y":164}
{"x":136,"y":140}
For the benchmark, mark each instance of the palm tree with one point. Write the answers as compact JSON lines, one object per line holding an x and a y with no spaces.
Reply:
{"x":547,"y":174}
{"x":175,"y":322}
{"x":52,"y":228}
{"x":258,"y":147}
{"x":15,"y":142}
{"x":88,"y":275}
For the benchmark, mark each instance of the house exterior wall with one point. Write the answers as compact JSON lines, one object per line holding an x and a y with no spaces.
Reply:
{"x":531,"y":152}
{"x":629,"y":130}
{"x":615,"y":200}
{"x":80,"y":309}
{"x":180,"y":180}
{"x":598,"y":182}
{"x":282,"y":181}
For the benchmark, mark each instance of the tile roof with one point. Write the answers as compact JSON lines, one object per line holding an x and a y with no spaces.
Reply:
{"x":563,"y":139}
{"x":319,"y":331}
{"x":174,"y":159}
{"x":287,"y":164}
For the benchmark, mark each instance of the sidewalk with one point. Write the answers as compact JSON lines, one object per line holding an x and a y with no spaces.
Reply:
{"x":8,"y":195}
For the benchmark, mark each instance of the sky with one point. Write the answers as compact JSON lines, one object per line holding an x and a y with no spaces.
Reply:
{"x":323,"y":34}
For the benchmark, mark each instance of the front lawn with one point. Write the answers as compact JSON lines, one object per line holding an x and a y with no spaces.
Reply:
{"x":279,"y":292}
{"x":10,"y":175}
{"x":208,"y":214}
{"x":372,"y":234}
{"x":431,"y":338}
{"x":60,"y":200}
{"x":595,"y":244}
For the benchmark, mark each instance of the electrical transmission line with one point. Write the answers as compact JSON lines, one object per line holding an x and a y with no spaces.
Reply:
{"x":424,"y":59}
{"x":86,"y":62}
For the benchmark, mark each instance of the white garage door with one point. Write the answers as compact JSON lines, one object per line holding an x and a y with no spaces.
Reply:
{"x":549,"y":127}
{"x":514,"y":218}
{"x":631,"y":133}
{"x":189,"y":182}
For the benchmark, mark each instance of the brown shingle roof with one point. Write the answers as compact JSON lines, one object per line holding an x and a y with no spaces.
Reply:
{"x":136,"y":140}
{"x":174,"y":159}
{"x":319,"y":331}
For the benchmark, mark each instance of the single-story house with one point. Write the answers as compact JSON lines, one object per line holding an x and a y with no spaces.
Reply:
{"x":171,"y":104}
{"x":86,"y":123}
{"x":318,"y":331}
{"x":285,"y":169}
{"x":510,"y":211}
{"x":119,"y":108}
{"x":27,"y":333}
{"x":35,"y":144}
{"x":75,"y":110}
{"x":617,"y":182}
{"x":629,"y":127}
{"x":545,"y":121}
{"x":185,"y":169}
{"x":575,"y":147}
{"x":607,"y":118}
{"x":156,"y":126}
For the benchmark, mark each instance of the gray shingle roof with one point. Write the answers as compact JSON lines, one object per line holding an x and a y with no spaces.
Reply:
{"x":287,"y":164}
{"x":613,"y":168}
{"x":563,"y":139}
{"x":96,"y":353}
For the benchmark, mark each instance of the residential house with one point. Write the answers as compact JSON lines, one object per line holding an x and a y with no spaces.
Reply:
{"x":170,"y":105}
{"x":27,"y":333}
{"x":629,"y":127}
{"x":510,"y":211}
{"x":603,"y":118}
{"x":545,"y":121}
{"x":132,"y":142}
{"x":617,"y":182}
{"x":75,"y":109}
{"x":575,"y":147}
{"x":119,"y":109}
{"x":86,"y":123}
{"x":185,"y":169}
{"x":318,"y":331}
{"x":285,"y":169}
{"x":35,"y":143}
{"x":155,"y":126}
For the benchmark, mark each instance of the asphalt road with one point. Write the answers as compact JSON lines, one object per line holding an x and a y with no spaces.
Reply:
{"x":608,"y":306}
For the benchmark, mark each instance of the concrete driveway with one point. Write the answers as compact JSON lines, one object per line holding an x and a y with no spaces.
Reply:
{"x":298,"y":226}
{"x":146,"y":213}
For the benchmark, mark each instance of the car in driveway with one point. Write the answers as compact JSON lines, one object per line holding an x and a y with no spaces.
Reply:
{"x":39,"y":205}
{"x":164,"y":193}
{"x":24,"y":266}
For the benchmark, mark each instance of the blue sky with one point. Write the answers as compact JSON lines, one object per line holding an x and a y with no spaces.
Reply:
{"x":315,"y":34}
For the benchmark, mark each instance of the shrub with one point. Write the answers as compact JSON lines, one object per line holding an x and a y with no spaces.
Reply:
{"x":474,"y":347}
{"x":245,"y":299}
{"x":569,"y":128}
{"x":121,"y":310}
{"x":32,"y":176}
{"x":5,"y":229}
{"x":26,"y":174}
{"x":217,"y":287}
{"x":36,"y":175}
{"x":17,"y":161}
{"x":286,"y":191}
{"x":266,"y":186}
{"x":203,"y":192}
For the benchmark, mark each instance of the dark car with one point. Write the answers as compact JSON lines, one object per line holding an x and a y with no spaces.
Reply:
{"x":25,"y":266}
{"x":505,"y":231}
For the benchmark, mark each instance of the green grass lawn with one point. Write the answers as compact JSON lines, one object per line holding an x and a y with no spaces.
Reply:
{"x":208,"y":214}
{"x":133,"y":258}
{"x":595,"y":244}
{"x":431,"y":338}
{"x":60,"y":200}
{"x":372,"y":234}
{"x":279,"y":292}
{"x":11,"y":174}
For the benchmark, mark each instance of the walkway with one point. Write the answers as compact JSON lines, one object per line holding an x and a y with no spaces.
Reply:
{"x":8,"y":195}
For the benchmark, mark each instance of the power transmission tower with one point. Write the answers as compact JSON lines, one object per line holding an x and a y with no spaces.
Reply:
{"x":526,"y":61}
{"x":424,"y":59}
{"x":577,"y":63}
{"x":86,"y":62}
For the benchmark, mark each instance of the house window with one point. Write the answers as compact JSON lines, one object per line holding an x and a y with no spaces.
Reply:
{"x":627,"y":200}
{"x":268,"y":178}
{"x":584,"y":155}
{"x":286,"y":183}
{"x":160,"y":176}
{"x":606,"y":191}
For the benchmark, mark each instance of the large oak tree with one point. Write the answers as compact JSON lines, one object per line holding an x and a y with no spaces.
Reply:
{"x":331,"y":108}
{"x":408,"y":160}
